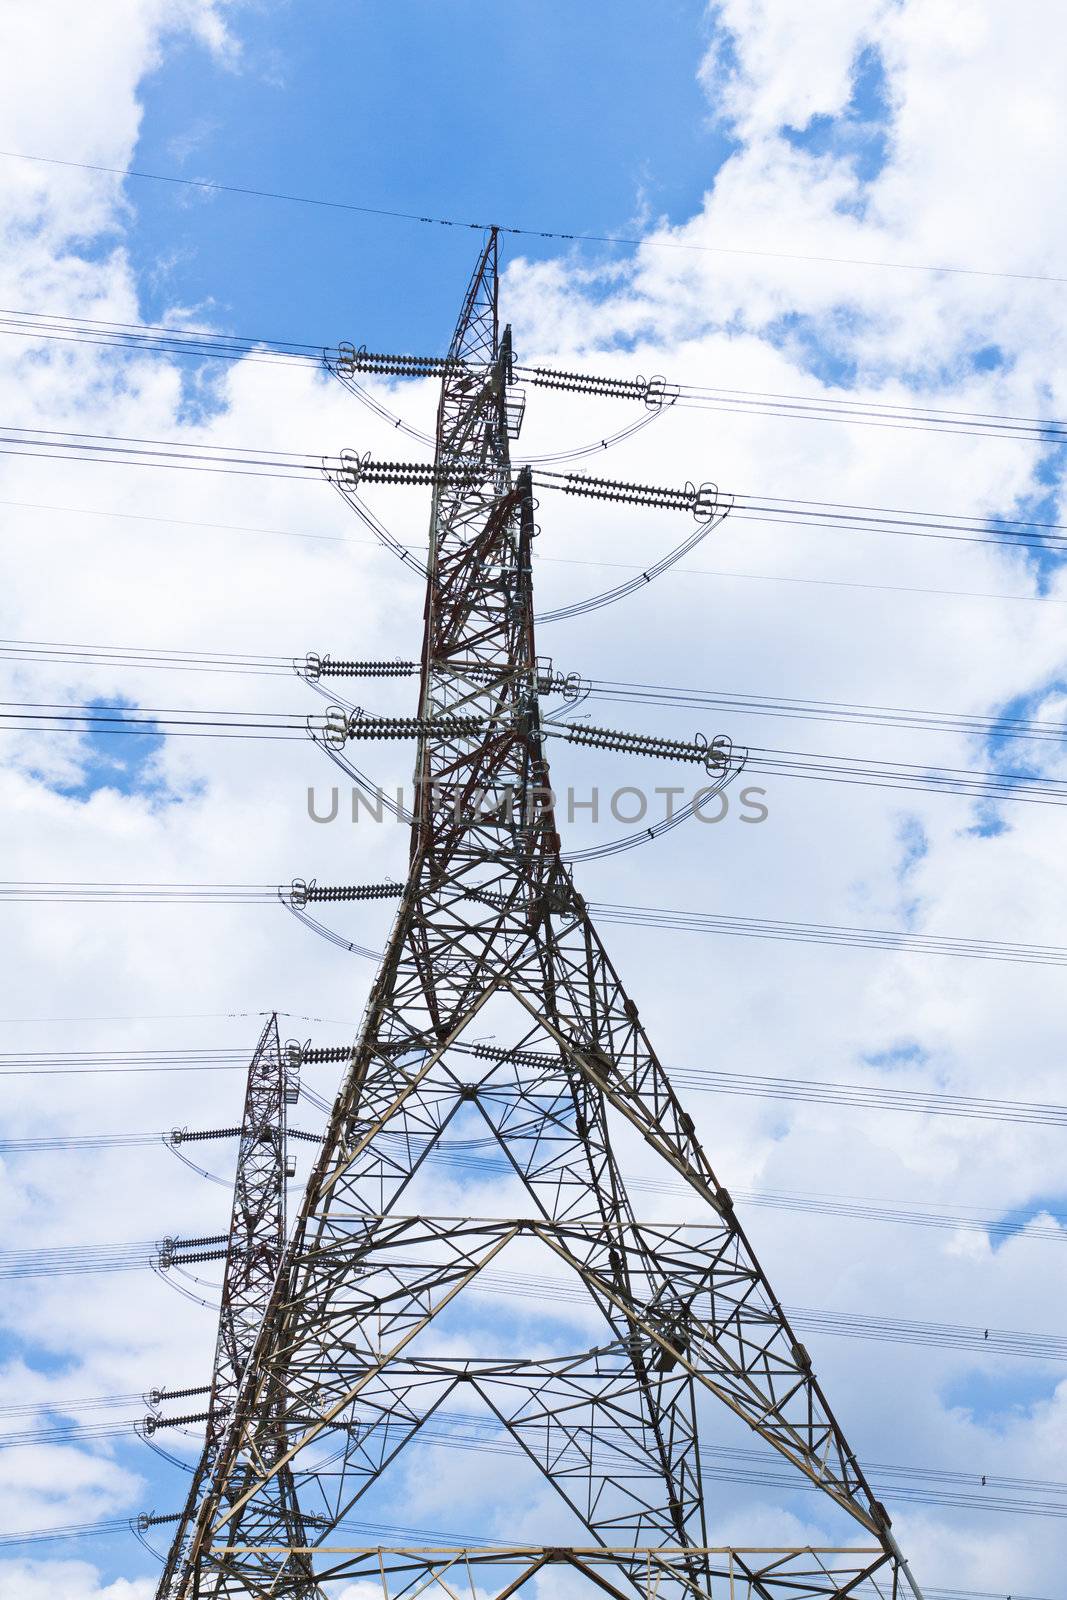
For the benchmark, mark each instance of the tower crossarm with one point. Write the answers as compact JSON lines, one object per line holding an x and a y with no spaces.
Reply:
{"x":345,"y":360}
{"x":716,"y":755}
{"x":462,"y":473}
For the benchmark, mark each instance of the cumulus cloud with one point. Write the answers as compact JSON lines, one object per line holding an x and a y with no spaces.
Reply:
{"x":74,"y":1580}
{"x":122,"y":556}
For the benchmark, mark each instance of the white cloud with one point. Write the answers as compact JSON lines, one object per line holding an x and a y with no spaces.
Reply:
{"x":66,"y":1580}
{"x":960,"y":185}
{"x":771,"y":63}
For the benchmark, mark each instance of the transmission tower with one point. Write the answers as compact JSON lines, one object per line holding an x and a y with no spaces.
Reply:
{"x":497,"y":1009}
{"x":252,"y":1259}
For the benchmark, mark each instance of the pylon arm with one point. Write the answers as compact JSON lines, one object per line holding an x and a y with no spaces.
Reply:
{"x":346,"y":360}
{"x":703,"y":500}
{"x":715,"y":755}
{"x":314,"y":667}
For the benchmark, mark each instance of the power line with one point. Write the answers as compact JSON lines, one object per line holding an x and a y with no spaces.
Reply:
{"x":192,"y":722}
{"x":633,"y":915}
{"x":127,"y":893}
{"x":829,"y":933}
{"x":459,"y":1155}
{"x":89,"y":1063}
{"x":870,"y":413}
{"x":157,"y":339}
{"x":858,"y":1209}
{"x":819,"y":1091}
{"x":64,"y":1260}
{"x":768,"y":510}
{"x":48,"y":1143}
{"x":612,"y":691}
{"x":96,"y":1402}
{"x":660,"y":396}
{"x":68,"y":1530}
{"x":836,"y":711}
{"x":920,"y":1485}
{"x":171,"y":1016}
{"x":459,"y":1430}
{"x":838,"y":1324}
{"x":515,"y":230}
{"x":629,"y":566}
{"x":922,"y":778}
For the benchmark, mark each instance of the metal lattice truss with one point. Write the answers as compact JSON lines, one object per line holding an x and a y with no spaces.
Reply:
{"x":496,"y":1573}
{"x":253,"y":1257}
{"x":492,"y":939}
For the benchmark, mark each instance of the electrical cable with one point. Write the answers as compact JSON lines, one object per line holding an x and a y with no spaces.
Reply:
{"x":82,"y":1403}
{"x":684,"y":246}
{"x":702,"y":1081}
{"x":128,"y":893}
{"x":455,"y":1153}
{"x":459,"y":1430}
{"x":572,"y":453}
{"x":828,"y":933}
{"x":607,"y":597}
{"x":200,"y":344}
{"x":709,"y":572}
{"x":94,"y":1259}
{"x":536,"y":1289}
{"x":844,"y":713}
{"x":657,"y":917}
{"x":115,"y":719}
{"x":327,"y":933}
{"x":612,"y":691}
{"x":87,"y":1063}
{"x":372,"y":792}
{"x":838,"y":516}
{"x":69,"y":1530}
{"x":40,"y":651}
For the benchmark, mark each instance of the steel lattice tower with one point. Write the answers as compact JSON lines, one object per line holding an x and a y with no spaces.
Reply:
{"x":492,"y":937}
{"x":253,"y":1256}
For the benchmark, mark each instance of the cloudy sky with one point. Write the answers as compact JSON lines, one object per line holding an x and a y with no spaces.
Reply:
{"x":853,"y":200}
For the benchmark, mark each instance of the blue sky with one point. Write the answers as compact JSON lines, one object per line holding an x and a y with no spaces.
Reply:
{"x":542,"y":113}
{"x":815,"y":133}
{"x":111,"y":759}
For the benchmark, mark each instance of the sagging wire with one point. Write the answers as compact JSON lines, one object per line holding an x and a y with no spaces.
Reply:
{"x":616,"y":846}
{"x":706,"y":500}
{"x":731,"y":767}
{"x":348,"y":473}
{"x":173,"y":1283}
{"x":342,"y":370}
{"x":607,"y":597}
{"x":175,"y":1461}
{"x":329,"y":695}
{"x":142,"y":1540}
{"x":202,"y":1172}
{"x":323,"y":931}
{"x":630,"y":841}
{"x":596,"y":447}
{"x":395,"y":808}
